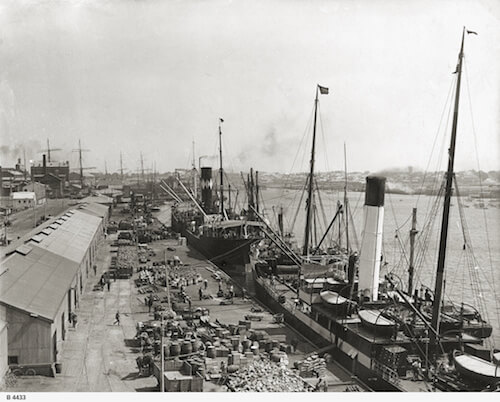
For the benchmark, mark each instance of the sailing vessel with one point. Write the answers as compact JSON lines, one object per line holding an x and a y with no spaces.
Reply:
{"x":225,"y":242}
{"x":386,"y":332}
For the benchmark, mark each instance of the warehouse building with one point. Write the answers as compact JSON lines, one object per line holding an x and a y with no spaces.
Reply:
{"x":40,"y":286}
{"x":3,"y":342}
{"x":99,"y":210}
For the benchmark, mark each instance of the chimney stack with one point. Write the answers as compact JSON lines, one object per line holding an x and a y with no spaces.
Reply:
{"x":206,"y":189}
{"x":44,"y":164}
{"x":371,"y":242}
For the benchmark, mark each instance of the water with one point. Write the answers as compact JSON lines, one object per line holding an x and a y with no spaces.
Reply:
{"x":398,"y":209}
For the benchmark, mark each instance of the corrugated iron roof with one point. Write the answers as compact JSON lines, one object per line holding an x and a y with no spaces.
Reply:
{"x":36,"y":283}
{"x":72,"y":239}
{"x":94,"y":209}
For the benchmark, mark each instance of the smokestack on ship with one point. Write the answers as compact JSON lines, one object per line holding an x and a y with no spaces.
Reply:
{"x":371,"y":242}
{"x":206,"y":185}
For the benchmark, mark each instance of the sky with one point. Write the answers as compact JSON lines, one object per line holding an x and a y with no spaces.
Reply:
{"x":154,"y":76}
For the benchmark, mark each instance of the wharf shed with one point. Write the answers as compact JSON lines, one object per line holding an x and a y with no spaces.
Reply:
{"x":74,"y":236}
{"x":3,"y":342}
{"x":99,"y":210}
{"x":40,"y":286}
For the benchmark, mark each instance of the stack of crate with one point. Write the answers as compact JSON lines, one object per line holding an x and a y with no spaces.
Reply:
{"x":394,"y":357}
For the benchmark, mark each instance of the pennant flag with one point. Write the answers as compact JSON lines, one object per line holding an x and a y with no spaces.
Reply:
{"x":323,"y":90}
{"x":471,"y":32}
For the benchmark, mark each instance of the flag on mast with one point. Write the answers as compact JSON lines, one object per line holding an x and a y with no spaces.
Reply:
{"x":323,"y":90}
{"x":221,"y":119}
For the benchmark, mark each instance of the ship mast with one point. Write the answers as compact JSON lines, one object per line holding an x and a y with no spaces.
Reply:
{"x":346,"y":207}
{"x":438,"y":289}
{"x":221,"y":171}
{"x":413,"y":233}
{"x":305,"y":250}
{"x":195,"y":175}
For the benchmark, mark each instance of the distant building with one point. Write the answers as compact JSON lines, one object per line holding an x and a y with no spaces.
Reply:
{"x":11,"y":180}
{"x":22,"y":200}
{"x":53,"y":174}
{"x":39,"y":189}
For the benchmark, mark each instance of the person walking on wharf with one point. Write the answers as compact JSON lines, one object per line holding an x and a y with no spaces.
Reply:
{"x":117,"y":318}
{"x":74,"y":319}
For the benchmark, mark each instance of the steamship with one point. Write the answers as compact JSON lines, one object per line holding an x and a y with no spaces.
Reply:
{"x":223,"y":237}
{"x":391,"y":338}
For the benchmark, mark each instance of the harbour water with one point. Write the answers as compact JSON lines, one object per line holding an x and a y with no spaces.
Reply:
{"x":467,"y":281}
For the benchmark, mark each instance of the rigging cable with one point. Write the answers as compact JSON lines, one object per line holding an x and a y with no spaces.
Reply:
{"x":497,"y":306}
{"x":448,"y":97}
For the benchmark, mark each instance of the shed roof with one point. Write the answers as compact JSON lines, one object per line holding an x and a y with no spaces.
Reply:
{"x":23,"y":195}
{"x":72,"y":238}
{"x":37,"y":282}
{"x":94,"y":209}
{"x":100,"y":199}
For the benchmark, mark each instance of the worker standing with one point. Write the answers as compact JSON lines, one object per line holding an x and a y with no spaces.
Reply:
{"x":74,"y":319}
{"x":117,"y":318}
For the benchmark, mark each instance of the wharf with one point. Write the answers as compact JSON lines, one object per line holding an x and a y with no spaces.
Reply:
{"x":220,"y":311}
{"x":100,"y":355}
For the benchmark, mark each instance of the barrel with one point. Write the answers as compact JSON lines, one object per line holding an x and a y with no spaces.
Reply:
{"x":235,"y":342}
{"x":246,"y":344}
{"x":196,"y":345}
{"x":175,"y":349}
{"x":186,"y":348}
{"x":166,"y":350}
{"x":211,"y":352}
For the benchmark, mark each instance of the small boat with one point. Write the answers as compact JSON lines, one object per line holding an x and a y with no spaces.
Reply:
{"x":476,"y":369}
{"x":375,"y":321}
{"x":332,"y":298}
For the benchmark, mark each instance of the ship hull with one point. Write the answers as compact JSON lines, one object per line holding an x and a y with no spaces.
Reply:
{"x":222,"y":252}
